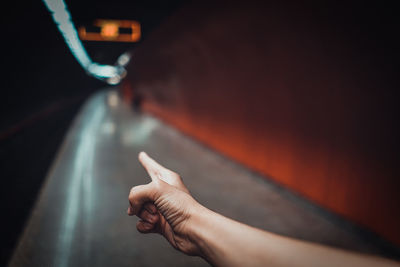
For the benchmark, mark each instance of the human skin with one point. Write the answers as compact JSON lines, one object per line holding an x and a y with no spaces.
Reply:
{"x":165,"y":206}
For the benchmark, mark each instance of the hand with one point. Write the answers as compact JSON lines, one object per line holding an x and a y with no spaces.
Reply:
{"x":164,"y":206}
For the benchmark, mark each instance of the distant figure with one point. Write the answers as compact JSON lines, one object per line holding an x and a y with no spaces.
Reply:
{"x":165,"y":206}
{"x":137,"y":103}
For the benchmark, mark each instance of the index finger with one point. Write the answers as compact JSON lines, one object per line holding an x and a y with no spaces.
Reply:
{"x":152,"y":167}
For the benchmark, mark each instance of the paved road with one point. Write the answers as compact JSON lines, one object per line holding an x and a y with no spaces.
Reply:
{"x":80,"y":217}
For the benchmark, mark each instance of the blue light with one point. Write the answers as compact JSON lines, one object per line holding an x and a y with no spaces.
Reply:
{"x":61,"y":16}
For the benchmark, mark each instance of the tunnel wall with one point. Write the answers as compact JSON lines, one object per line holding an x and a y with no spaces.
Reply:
{"x":304,"y":94}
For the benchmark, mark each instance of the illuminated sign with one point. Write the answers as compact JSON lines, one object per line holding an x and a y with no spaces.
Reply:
{"x":112,"y":31}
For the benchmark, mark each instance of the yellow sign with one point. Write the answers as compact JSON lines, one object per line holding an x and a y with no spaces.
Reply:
{"x":110,"y":31}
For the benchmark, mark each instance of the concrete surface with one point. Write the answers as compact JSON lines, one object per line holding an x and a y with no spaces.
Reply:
{"x":80,"y":217}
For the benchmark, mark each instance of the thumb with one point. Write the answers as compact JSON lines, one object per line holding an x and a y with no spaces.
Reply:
{"x":139,"y":195}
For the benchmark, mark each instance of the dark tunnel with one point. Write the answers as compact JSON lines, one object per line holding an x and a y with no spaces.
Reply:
{"x":278,"y":114}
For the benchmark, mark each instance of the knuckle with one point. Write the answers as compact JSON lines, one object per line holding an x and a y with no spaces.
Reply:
{"x":157,"y":173}
{"x":131,"y":194}
{"x":158,"y":185}
{"x":133,"y":198}
{"x":175,"y":174}
{"x":132,"y":191}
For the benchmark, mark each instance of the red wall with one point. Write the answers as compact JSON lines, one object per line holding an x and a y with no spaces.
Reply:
{"x":301,"y":93}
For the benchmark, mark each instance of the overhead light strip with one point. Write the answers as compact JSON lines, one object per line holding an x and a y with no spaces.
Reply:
{"x":62,"y":18}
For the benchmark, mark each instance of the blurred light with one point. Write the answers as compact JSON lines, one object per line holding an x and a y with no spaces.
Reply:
{"x":81,"y":178}
{"x":110,"y":31}
{"x":112,"y":99}
{"x":108,"y":128}
{"x":61,"y":16}
{"x":136,"y":134}
{"x":114,"y":80}
{"x":124,"y":59}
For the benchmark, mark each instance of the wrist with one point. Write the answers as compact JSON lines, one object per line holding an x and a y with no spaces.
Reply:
{"x":219,"y":240}
{"x":203,"y":231}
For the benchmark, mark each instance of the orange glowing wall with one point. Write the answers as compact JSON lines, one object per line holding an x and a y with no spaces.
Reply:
{"x":299,"y":93}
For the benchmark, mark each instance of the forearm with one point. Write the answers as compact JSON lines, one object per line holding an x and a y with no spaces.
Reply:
{"x":222,"y":241}
{"x":225,"y":242}
{"x":166,"y":206}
